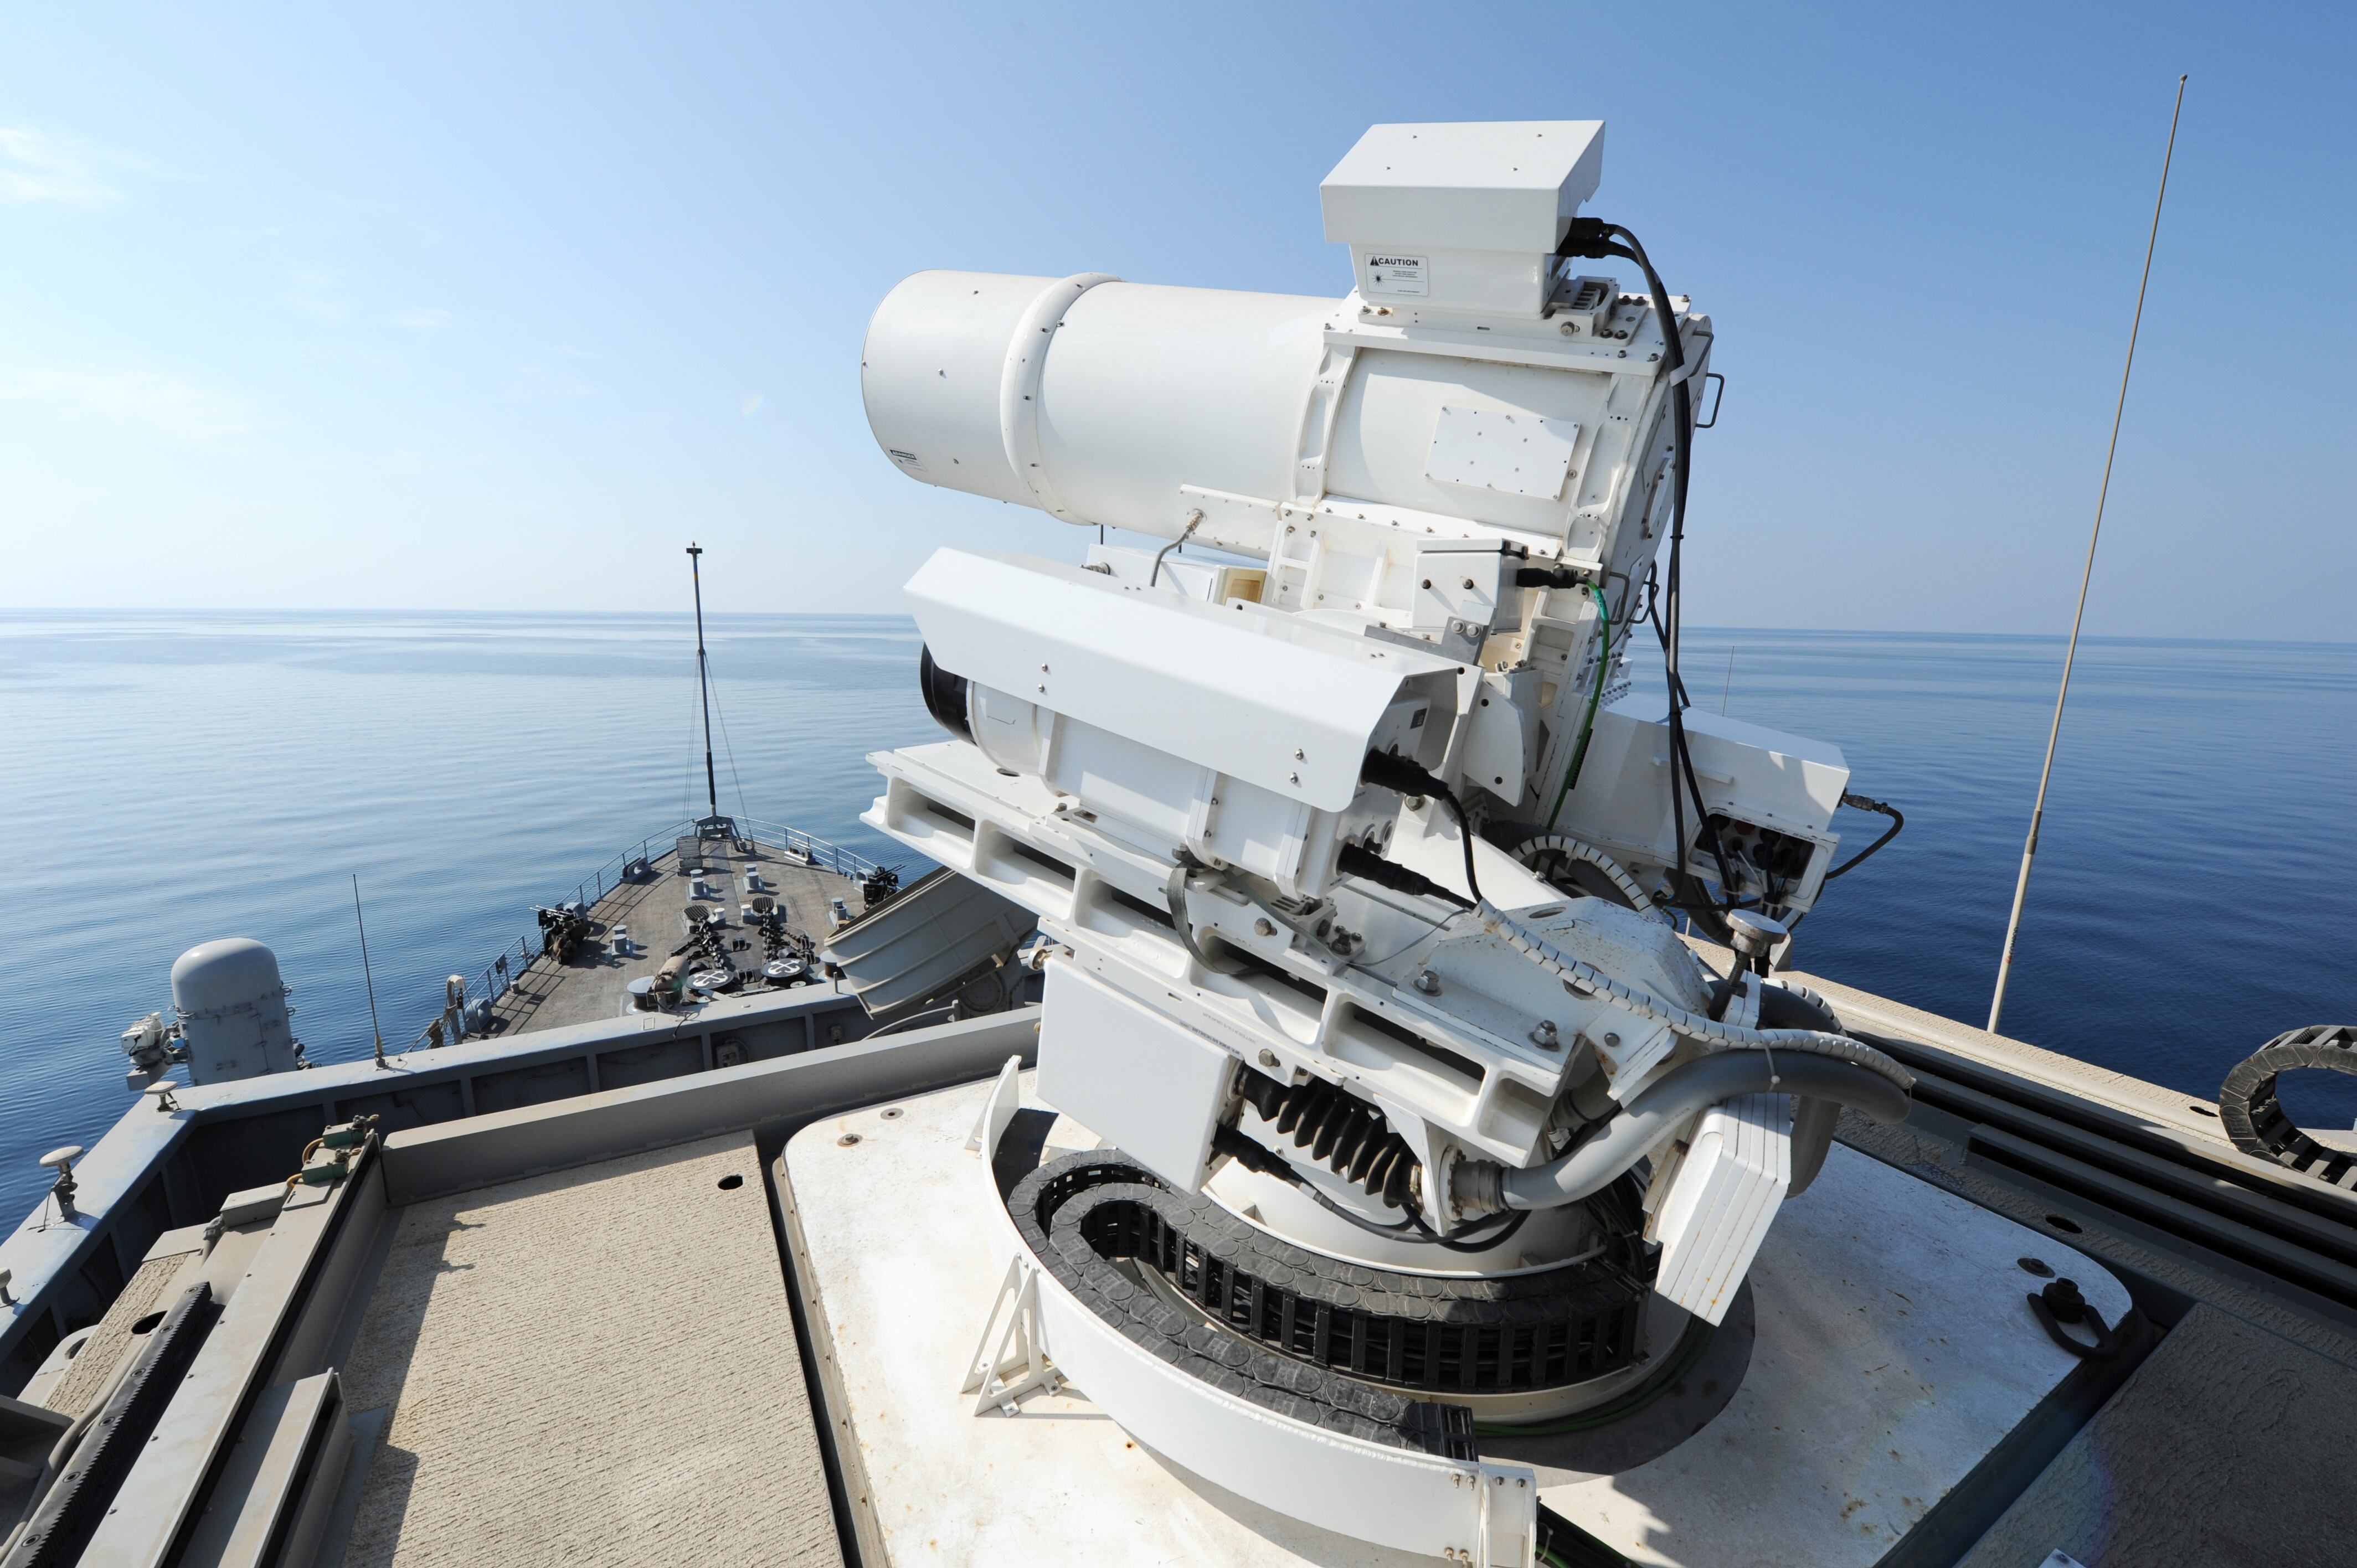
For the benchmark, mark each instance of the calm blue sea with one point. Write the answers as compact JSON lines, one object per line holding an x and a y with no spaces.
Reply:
{"x":167,"y":777}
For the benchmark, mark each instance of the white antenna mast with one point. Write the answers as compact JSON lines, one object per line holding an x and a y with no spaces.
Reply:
{"x":375,"y":1027}
{"x":2030,"y":848}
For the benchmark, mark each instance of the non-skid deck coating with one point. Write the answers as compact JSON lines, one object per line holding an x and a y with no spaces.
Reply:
{"x":597,"y":1366}
{"x":2228,"y":1449}
{"x":546,"y":995}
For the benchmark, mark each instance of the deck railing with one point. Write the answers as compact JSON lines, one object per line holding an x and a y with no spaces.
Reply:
{"x":510,"y":962}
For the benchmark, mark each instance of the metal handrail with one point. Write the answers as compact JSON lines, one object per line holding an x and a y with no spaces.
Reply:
{"x":495,"y":981}
{"x":817,"y":851}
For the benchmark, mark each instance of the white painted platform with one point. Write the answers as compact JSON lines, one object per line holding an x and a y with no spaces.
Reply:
{"x":1894,"y":1348}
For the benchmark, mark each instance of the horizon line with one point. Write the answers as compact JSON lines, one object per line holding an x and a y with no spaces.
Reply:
{"x":13,"y":612}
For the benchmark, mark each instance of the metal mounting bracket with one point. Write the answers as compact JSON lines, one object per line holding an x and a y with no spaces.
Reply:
{"x":1010,"y":1363}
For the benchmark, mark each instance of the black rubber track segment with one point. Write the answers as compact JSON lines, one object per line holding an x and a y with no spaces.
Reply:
{"x":1340,"y":1346}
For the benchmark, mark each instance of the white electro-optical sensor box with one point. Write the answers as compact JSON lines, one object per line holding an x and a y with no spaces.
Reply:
{"x":1461,"y":218}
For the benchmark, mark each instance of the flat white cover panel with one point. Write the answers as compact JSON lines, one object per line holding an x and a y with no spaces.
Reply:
{"x":1526,"y":454}
{"x":1723,"y":1195}
{"x":1783,"y":780}
{"x":1148,"y":1084}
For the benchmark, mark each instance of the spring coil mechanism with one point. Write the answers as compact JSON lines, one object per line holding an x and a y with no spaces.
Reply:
{"x":1340,"y":1132}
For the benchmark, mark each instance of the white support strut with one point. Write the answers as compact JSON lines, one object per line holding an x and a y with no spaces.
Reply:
{"x":1001,"y":1373}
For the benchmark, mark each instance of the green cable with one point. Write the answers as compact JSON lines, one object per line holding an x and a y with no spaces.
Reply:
{"x":1683,"y":1358}
{"x":1595,"y":694}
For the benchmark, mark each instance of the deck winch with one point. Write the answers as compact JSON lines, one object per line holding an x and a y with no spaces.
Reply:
{"x":1361,"y":896}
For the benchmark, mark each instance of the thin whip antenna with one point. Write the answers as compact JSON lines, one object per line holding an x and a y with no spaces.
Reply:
{"x":2055,"y":735}
{"x":1729,"y":686}
{"x":366,"y":978}
{"x":703,"y":678}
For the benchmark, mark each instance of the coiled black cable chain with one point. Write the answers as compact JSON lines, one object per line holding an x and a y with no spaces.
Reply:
{"x":2254,"y":1119}
{"x":1341,"y":1345}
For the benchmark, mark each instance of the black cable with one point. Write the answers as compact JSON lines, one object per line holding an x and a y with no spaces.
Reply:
{"x":1369,"y":866}
{"x":1392,"y":771}
{"x":1411,"y":1228}
{"x":1687,"y":894}
{"x":1463,"y":1239}
{"x":1681,"y":458}
{"x":1563,"y":1544}
{"x":1653,"y":594}
{"x":1860,"y":803}
{"x":1594,"y":237}
{"x":1703,"y":832}
{"x":1403,"y":1230}
{"x":1184,"y":534}
{"x":1415,"y":1228}
{"x":1465,"y":838}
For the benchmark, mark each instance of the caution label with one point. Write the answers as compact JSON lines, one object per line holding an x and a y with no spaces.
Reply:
{"x":1388,"y":272}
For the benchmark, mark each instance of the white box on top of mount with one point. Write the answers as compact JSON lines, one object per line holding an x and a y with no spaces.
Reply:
{"x":1463,"y":217}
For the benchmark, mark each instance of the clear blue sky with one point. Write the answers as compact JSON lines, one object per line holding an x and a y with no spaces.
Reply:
{"x":494,"y":305}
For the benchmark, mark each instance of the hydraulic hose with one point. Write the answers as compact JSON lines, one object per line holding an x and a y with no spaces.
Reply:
{"x":1813,"y":1139}
{"x":1482,"y":1186}
{"x":1194,"y":520}
{"x":1824,"y":1071}
{"x":1586,"y":979}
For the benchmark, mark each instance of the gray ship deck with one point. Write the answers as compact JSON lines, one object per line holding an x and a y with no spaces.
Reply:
{"x":545,"y":1330}
{"x":546,"y":995}
{"x":532,"y":1402}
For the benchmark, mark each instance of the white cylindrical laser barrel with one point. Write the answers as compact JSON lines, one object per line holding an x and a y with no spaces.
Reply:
{"x":1091,"y":398}
{"x":1097,"y":401}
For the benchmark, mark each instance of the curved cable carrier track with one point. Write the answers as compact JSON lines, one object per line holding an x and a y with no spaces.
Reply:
{"x":2256,"y":1119}
{"x":1341,"y":1345}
